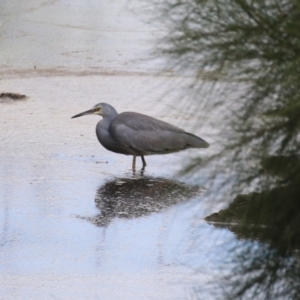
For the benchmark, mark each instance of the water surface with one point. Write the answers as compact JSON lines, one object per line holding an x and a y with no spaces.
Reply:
{"x":75,"y":222}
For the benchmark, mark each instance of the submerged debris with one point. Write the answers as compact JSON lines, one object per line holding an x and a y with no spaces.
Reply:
{"x":5,"y":97}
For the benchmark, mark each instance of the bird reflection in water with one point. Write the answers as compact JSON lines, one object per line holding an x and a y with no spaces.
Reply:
{"x":136,"y":197}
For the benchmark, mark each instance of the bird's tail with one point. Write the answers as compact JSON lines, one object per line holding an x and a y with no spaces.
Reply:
{"x":195,"y":141}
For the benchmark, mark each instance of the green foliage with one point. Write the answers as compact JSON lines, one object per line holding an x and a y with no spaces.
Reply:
{"x":256,"y":43}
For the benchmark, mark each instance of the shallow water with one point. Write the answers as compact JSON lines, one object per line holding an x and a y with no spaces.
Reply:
{"x":75,"y":222}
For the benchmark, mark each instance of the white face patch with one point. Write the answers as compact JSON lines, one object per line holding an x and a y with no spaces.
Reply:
{"x":97,"y":110}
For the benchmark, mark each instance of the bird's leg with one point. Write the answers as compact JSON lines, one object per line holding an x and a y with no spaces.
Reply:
{"x":144,"y":162}
{"x":133,"y":162}
{"x":142,"y":172}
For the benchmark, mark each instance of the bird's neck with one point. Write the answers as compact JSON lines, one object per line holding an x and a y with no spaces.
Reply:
{"x":104,"y":123}
{"x":102,"y":128}
{"x":102,"y":132}
{"x":107,"y":119}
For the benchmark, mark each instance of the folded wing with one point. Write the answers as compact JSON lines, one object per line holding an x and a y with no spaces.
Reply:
{"x":147,"y":135}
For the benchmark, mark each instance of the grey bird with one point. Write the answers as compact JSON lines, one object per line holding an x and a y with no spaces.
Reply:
{"x":132,"y":133}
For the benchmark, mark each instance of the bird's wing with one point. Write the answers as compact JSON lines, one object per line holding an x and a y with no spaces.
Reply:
{"x":148,"y":135}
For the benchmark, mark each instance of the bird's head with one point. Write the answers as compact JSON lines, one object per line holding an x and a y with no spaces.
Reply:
{"x":100,"y":109}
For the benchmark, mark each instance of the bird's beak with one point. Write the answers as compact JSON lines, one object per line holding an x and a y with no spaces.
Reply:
{"x":88,"y":112}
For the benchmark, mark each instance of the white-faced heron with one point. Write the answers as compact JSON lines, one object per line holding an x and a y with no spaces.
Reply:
{"x":131,"y":133}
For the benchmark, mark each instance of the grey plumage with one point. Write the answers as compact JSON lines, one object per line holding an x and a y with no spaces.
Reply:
{"x":136,"y":134}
